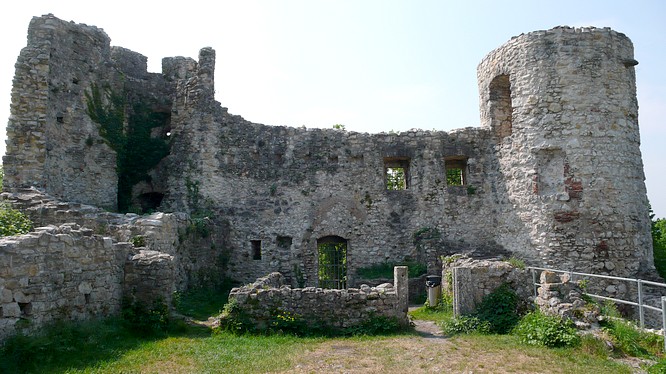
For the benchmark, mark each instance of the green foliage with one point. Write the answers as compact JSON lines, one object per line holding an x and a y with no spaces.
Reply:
{"x":516,"y":262}
{"x":395,"y":179}
{"x":136,"y":150}
{"x":465,"y":325}
{"x":536,"y":328}
{"x":454,"y":177}
{"x":149,"y":320}
{"x":385,"y":270}
{"x":497,"y":314}
{"x":658,"y":229}
{"x":138,"y":241}
{"x":203,"y":302}
{"x":425,"y":233}
{"x":236,"y":320}
{"x":630,"y":340}
{"x":658,"y":368}
{"x":13,"y":222}
{"x":499,"y":309}
{"x":442,"y":312}
{"x":339,"y":126}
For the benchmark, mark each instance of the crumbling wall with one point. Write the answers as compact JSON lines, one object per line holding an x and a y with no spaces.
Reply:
{"x":53,"y":144}
{"x":94,"y":259}
{"x":268,"y":298}
{"x":58,"y":273}
{"x":471,"y":280}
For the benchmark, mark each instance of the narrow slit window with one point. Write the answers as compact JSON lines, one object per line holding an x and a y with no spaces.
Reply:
{"x":456,"y":171}
{"x":256,"y":249}
{"x":396,"y":173}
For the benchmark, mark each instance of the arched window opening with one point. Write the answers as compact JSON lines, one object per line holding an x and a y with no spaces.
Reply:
{"x":500,"y":106}
{"x":332,"y":254}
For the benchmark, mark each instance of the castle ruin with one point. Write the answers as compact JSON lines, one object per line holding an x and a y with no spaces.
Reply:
{"x":552,"y":175}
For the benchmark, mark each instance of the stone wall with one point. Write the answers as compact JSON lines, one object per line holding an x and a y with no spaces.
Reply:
{"x":553,"y":175}
{"x":87,"y":264}
{"x":264,"y":300}
{"x":58,"y":273}
{"x":470,"y":280}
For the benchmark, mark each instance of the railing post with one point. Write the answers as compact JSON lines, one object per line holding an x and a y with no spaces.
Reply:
{"x":534,"y":283}
{"x":663,"y":319}
{"x":641,"y":315}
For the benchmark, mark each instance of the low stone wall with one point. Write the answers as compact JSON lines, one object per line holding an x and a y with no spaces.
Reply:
{"x":417,"y":287}
{"x":471,"y":280}
{"x":558,"y":296}
{"x":267,"y":298}
{"x":58,"y":273}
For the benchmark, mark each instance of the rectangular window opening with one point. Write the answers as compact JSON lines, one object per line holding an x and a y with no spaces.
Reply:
{"x":456,"y":171}
{"x":256,"y":249}
{"x":396,"y":172}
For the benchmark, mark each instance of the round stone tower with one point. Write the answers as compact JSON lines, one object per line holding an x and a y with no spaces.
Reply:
{"x":561,"y":105}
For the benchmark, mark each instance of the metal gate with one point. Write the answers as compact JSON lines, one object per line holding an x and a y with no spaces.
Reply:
{"x":332,"y":253}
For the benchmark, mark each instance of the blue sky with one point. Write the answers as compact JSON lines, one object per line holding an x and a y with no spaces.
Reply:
{"x":374,"y":66}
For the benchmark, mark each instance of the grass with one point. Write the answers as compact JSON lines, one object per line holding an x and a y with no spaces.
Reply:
{"x":110,"y":346}
{"x":201,"y":303}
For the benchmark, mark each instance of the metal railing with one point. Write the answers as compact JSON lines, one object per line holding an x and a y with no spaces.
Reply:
{"x":639,"y":302}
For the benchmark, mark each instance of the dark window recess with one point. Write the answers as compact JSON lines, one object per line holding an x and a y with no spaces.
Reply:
{"x":26,"y":309}
{"x":396,"y":173}
{"x":256,"y":249}
{"x":60,"y":119}
{"x":456,"y":170}
{"x":284,"y":242}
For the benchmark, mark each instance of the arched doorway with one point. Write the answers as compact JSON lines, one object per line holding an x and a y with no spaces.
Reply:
{"x":332,"y":262}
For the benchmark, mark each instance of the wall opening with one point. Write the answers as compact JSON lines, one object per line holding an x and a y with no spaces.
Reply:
{"x":26,"y":309}
{"x":150,"y":201}
{"x":456,"y":170}
{"x":501,"y":121}
{"x":256,"y":249}
{"x":396,"y":173}
{"x":332,"y":254}
{"x":284,"y":242}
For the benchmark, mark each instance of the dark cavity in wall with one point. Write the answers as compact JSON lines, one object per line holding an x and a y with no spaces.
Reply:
{"x":127,"y":127}
{"x":256,"y":249}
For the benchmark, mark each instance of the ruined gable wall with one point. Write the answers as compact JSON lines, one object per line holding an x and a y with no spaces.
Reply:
{"x":52,"y":142}
{"x":570,"y":163}
{"x":48,"y":130}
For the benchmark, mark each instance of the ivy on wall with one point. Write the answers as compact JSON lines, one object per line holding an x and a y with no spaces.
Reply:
{"x":126,"y":129}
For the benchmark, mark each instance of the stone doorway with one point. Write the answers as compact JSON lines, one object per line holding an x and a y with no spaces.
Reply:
{"x":332,"y":261}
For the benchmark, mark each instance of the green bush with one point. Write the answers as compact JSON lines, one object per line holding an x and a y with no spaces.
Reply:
{"x":499,"y":309}
{"x":465,"y":325}
{"x":13,"y":222}
{"x":630,"y":340}
{"x":144,"y":319}
{"x":536,"y":328}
